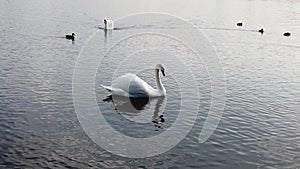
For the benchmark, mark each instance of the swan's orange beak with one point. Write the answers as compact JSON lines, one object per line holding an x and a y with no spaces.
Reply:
{"x":163,"y":72}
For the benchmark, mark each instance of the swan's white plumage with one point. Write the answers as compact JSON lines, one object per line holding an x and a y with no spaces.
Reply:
{"x":130,"y":85}
{"x":109,"y":24}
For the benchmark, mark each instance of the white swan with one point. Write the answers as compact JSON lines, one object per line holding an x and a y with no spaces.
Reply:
{"x":108,"y":24}
{"x":130,"y":85}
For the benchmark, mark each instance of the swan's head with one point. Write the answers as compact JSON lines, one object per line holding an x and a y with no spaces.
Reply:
{"x":73,"y":34}
{"x":161,"y":68}
{"x":105,"y":20}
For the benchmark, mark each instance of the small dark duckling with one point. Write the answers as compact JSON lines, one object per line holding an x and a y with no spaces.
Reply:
{"x":239,"y":24}
{"x":71,"y":37}
{"x":261,"y":31}
{"x":287,"y":34}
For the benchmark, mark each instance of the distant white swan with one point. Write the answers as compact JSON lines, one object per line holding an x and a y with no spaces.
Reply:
{"x":130,"y":85}
{"x":108,"y":24}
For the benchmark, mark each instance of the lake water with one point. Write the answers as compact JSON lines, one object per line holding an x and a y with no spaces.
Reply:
{"x":259,"y":127}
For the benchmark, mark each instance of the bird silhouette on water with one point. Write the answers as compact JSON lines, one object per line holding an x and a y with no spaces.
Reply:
{"x":261,"y":30}
{"x":239,"y":24}
{"x":71,"y":37}
{"x":287,"y":34}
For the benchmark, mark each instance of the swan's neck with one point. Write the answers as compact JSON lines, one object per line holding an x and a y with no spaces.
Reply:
{"x":159,"y":85}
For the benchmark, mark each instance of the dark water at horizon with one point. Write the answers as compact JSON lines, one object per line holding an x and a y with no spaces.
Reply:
{"x":260,"y":124}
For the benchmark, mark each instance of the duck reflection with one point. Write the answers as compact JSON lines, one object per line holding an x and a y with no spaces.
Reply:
{"x":138,"y":109}
{"x":107,"y":32}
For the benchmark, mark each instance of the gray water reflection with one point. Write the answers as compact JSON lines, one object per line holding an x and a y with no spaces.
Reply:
{"x":260,"y":125}
{"x":140,"y":110}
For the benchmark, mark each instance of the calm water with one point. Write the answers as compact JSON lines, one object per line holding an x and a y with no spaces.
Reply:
{"x":260,"y":124}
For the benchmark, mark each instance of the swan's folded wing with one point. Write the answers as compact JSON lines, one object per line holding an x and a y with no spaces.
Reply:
{"x":116,"y":91}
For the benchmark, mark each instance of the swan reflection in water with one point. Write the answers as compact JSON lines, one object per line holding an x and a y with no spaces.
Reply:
{"x":140,"y":109}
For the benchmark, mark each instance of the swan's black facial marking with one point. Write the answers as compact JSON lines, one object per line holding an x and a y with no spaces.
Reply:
{"x":163,"y":72}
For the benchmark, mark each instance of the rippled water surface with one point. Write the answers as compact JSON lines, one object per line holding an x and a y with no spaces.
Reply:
{"x":259,"y":128}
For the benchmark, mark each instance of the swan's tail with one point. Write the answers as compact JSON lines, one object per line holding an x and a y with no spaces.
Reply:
{"x":107,"y":88}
